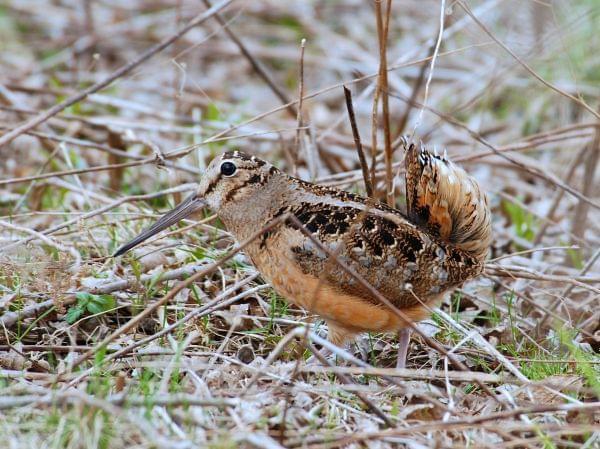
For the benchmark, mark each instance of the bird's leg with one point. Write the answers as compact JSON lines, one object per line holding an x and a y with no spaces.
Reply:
{"x":403,"y":342}
{"x":336,"y":335}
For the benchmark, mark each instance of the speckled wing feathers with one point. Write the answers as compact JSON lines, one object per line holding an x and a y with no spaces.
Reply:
{"x":397,"y":259}
{"x":410,"y":260}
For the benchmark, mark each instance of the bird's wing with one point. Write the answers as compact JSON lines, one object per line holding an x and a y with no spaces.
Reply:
{"x":394,"y":256}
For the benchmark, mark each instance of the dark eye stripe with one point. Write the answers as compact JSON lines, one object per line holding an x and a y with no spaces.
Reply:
{"x":229,"y":196}
{"x":212,"y":185}
{"x":254,"y":179}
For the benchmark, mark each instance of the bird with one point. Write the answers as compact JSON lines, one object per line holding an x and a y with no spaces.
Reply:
{"x":411,"y":257}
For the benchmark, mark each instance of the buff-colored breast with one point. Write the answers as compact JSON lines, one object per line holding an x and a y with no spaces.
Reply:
{"x":353,"y":313}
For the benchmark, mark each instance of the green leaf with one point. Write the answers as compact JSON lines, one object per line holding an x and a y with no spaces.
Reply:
{"x":212,"y":112}
{"x":83,"y":298}
{"x":94,"y":308}
{"x":100,"y":303}
{"x":523,"y":221}
{"x":88,"y":302}
{"x":73,"y":314}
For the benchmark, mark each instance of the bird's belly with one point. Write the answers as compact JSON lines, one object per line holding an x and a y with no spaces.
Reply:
{"x":349,"y":311}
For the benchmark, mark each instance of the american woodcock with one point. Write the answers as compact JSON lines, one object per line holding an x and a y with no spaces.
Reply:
{"x":411,"y":258}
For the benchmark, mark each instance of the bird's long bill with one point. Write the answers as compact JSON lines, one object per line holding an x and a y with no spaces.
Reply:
{"x":183,"y":210}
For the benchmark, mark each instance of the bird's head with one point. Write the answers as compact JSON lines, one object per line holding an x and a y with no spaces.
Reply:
{"x":234,"y":183}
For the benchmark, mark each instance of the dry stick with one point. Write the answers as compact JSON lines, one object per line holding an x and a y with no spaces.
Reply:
{"x":528,"y":143}
{"x":188,"y":149}
{"x":532,"y":72}
{"x":359,"y":149}
{"x":352,"y":175}
{"x":373,"y":291}
{"x":467,"y":424}
{"x":120,"y":399}
{"x":374,"y":110}
{"x":559,"y":196}
{"x":530,"y":251}
{"x":162,"y":159}
{"x":8,"y":319}
{"x":258,"y":67}
{"x":563,"y":130}
{"x":199,"y":312}
{"x":552,"y":307}
{"x":76,"y":171}
{"x":581,"y":212}
{"x":205,"y":271}
{"x":527,"y":273}
{"x":102,"y":100}
{"x":387,"y":134}
{"x":83,"y":143}
{"x":434,"y":56}
{"x":299,"y":119}
{"x":413,"y":374}
{"x":124,"y":154}
{"x":123,"y":70}
{"x":433,"y":52}
{"x":98,"y":211}
{"x":548,"y":177}
{"x":346,"y":380}
{"x":381,"y":92}
{"x":538,"y":434}
{"x":412,"y":100}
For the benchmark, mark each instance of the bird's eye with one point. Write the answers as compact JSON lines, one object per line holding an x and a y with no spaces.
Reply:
{"x":228,"y":168}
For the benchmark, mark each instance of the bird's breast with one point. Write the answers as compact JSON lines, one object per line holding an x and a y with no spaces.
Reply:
{"x":277,"y":265}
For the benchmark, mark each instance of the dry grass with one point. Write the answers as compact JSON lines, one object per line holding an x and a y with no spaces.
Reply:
{"x":99,"y":352}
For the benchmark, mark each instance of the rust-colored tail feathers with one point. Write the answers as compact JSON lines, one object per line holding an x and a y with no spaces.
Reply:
{"x":446,"y":201}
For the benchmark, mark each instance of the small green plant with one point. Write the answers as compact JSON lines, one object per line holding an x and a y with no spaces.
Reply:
{"x":278,"y":308}
{"x":510,"y":305}
{"x":576,"y":257}
{"x":541,"y":365}
{"x":455,"y":305}
{"x":523,"y":221}
{"x":87,"y":302}
{"x":490,"y":317}
{"x":196,"y":294}
{"x":584,"y":365}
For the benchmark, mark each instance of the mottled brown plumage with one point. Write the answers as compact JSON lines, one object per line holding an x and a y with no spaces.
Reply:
{"x":411,"y":259}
